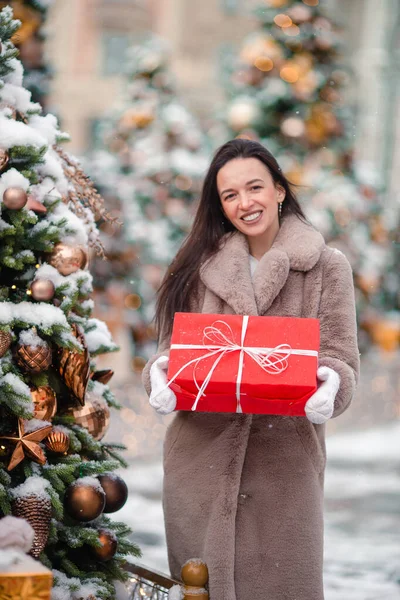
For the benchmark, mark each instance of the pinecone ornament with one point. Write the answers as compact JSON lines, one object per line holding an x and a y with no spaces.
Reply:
{"x":37,"y":511}
{"x":5,"y":341}
{"x":34,"y":359}
{"x":74,"y":367}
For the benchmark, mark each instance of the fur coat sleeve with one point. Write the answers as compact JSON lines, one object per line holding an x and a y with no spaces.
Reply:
{"x":339,"y":349}
{"x":164,"y":339}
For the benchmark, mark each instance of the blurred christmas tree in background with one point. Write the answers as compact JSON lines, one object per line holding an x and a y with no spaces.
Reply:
{"x":55,"y":471}
{"x":30,"y":41}
{"x":151,"y":158}
{"x":287,"y":88}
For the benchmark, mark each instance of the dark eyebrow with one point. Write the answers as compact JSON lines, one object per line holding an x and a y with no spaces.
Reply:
{"x":248,"y":183}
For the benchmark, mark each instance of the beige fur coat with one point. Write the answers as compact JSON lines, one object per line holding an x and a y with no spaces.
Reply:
{"x":244,"y":492}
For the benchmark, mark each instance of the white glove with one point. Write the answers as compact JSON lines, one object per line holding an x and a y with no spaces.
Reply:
{"x":162,"y":398}
{"x":319,"y":408}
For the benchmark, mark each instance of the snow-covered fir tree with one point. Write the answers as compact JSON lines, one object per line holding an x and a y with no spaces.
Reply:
{"x":54,"y":405}
{"x":30,"y":41}
{"x":153,"y":158}
{"x":287,"y":87}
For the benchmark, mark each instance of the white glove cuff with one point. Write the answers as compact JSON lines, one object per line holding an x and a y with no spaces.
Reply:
{"x":319,"y":408}
{"x":162,"y":398}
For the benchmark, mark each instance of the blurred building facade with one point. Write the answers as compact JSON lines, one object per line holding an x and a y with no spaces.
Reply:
{"x":87,"y":40}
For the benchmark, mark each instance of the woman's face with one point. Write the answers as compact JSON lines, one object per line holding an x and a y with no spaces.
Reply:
{"x":248,"y":195}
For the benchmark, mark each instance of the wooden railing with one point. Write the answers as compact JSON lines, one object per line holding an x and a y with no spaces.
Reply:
{"x":147,"y":584}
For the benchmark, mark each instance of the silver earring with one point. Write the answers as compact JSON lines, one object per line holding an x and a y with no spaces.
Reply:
{"x":280,"y":209}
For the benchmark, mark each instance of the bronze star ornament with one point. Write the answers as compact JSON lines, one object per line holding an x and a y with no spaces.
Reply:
{"x":27,"y":444}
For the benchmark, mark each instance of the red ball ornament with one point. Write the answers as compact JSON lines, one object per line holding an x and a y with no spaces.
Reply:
{"x":15,"y":198}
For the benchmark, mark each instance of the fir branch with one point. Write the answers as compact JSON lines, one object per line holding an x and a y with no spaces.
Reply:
{"x":5,"y":478}
{"x":58,"y":509}
{"x":53,"y":533}
{"x":5,"y":504}
{"x":89,"y":444}
{"x":95,"y":467}
{"x":70,"y":568}
{"x":23,"y":158}
{"x":115,"y":455}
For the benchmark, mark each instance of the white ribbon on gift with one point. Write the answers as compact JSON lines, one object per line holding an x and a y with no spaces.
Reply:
{"x":271,"y":360}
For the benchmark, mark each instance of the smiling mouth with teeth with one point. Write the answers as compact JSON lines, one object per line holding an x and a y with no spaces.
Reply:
{"x":252,"y":217}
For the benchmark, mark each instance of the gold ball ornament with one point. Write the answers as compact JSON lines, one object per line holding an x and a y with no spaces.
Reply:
{"x":5,"y":342}
{"x":15,"y":198}
{"x":74,"y":367}
{"x":68,"y":259}
{"x":194,"y":574}
{"x":37,"y":511}
{"x":44,"y":402}
{"x":84,"y":501}
{"x":116,"y":491}
{"x":93,"y":416}
{"x":34,"y":359}
{"x":4,"y":158}
{"x":108,"y":549}
{"x":57,"y":442}
{"x":42,"y":290}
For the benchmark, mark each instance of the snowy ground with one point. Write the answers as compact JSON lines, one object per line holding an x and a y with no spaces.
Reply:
{"x":362,"y":533}
{"x":362,"y":487}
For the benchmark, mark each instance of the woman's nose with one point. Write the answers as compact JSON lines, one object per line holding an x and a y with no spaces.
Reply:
{"x":245,"y":201}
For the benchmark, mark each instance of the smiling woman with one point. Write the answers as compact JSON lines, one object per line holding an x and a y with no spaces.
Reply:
{"x":244,"y":492}
{"x":252,"y":203}
{"x":228,"y":183}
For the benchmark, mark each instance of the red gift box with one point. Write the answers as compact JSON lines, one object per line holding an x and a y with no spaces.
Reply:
{"x":235,"y":363}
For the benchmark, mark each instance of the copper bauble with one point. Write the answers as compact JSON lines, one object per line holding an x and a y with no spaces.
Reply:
{"x":5,"y":341}
{"x":84,"y":502}
{"x":109,"y":543}
{"x":37,"y":511}
{"x":57,"y":442}
{"x":94,"y":416}
{"x":68,"y":259}
{"x":15,"y":198}
{"x":44,"y":402}
{"x":42,"y":290}
{"x":34,"y":359}
{"x":74,"y":366}
{"x":116,"y":491}
{"x":4,"y":158}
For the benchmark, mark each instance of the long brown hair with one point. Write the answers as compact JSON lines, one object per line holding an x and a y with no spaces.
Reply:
{"x":210,"y":225}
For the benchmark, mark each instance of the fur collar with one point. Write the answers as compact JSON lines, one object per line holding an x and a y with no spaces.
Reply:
{"x":297,"y":247}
